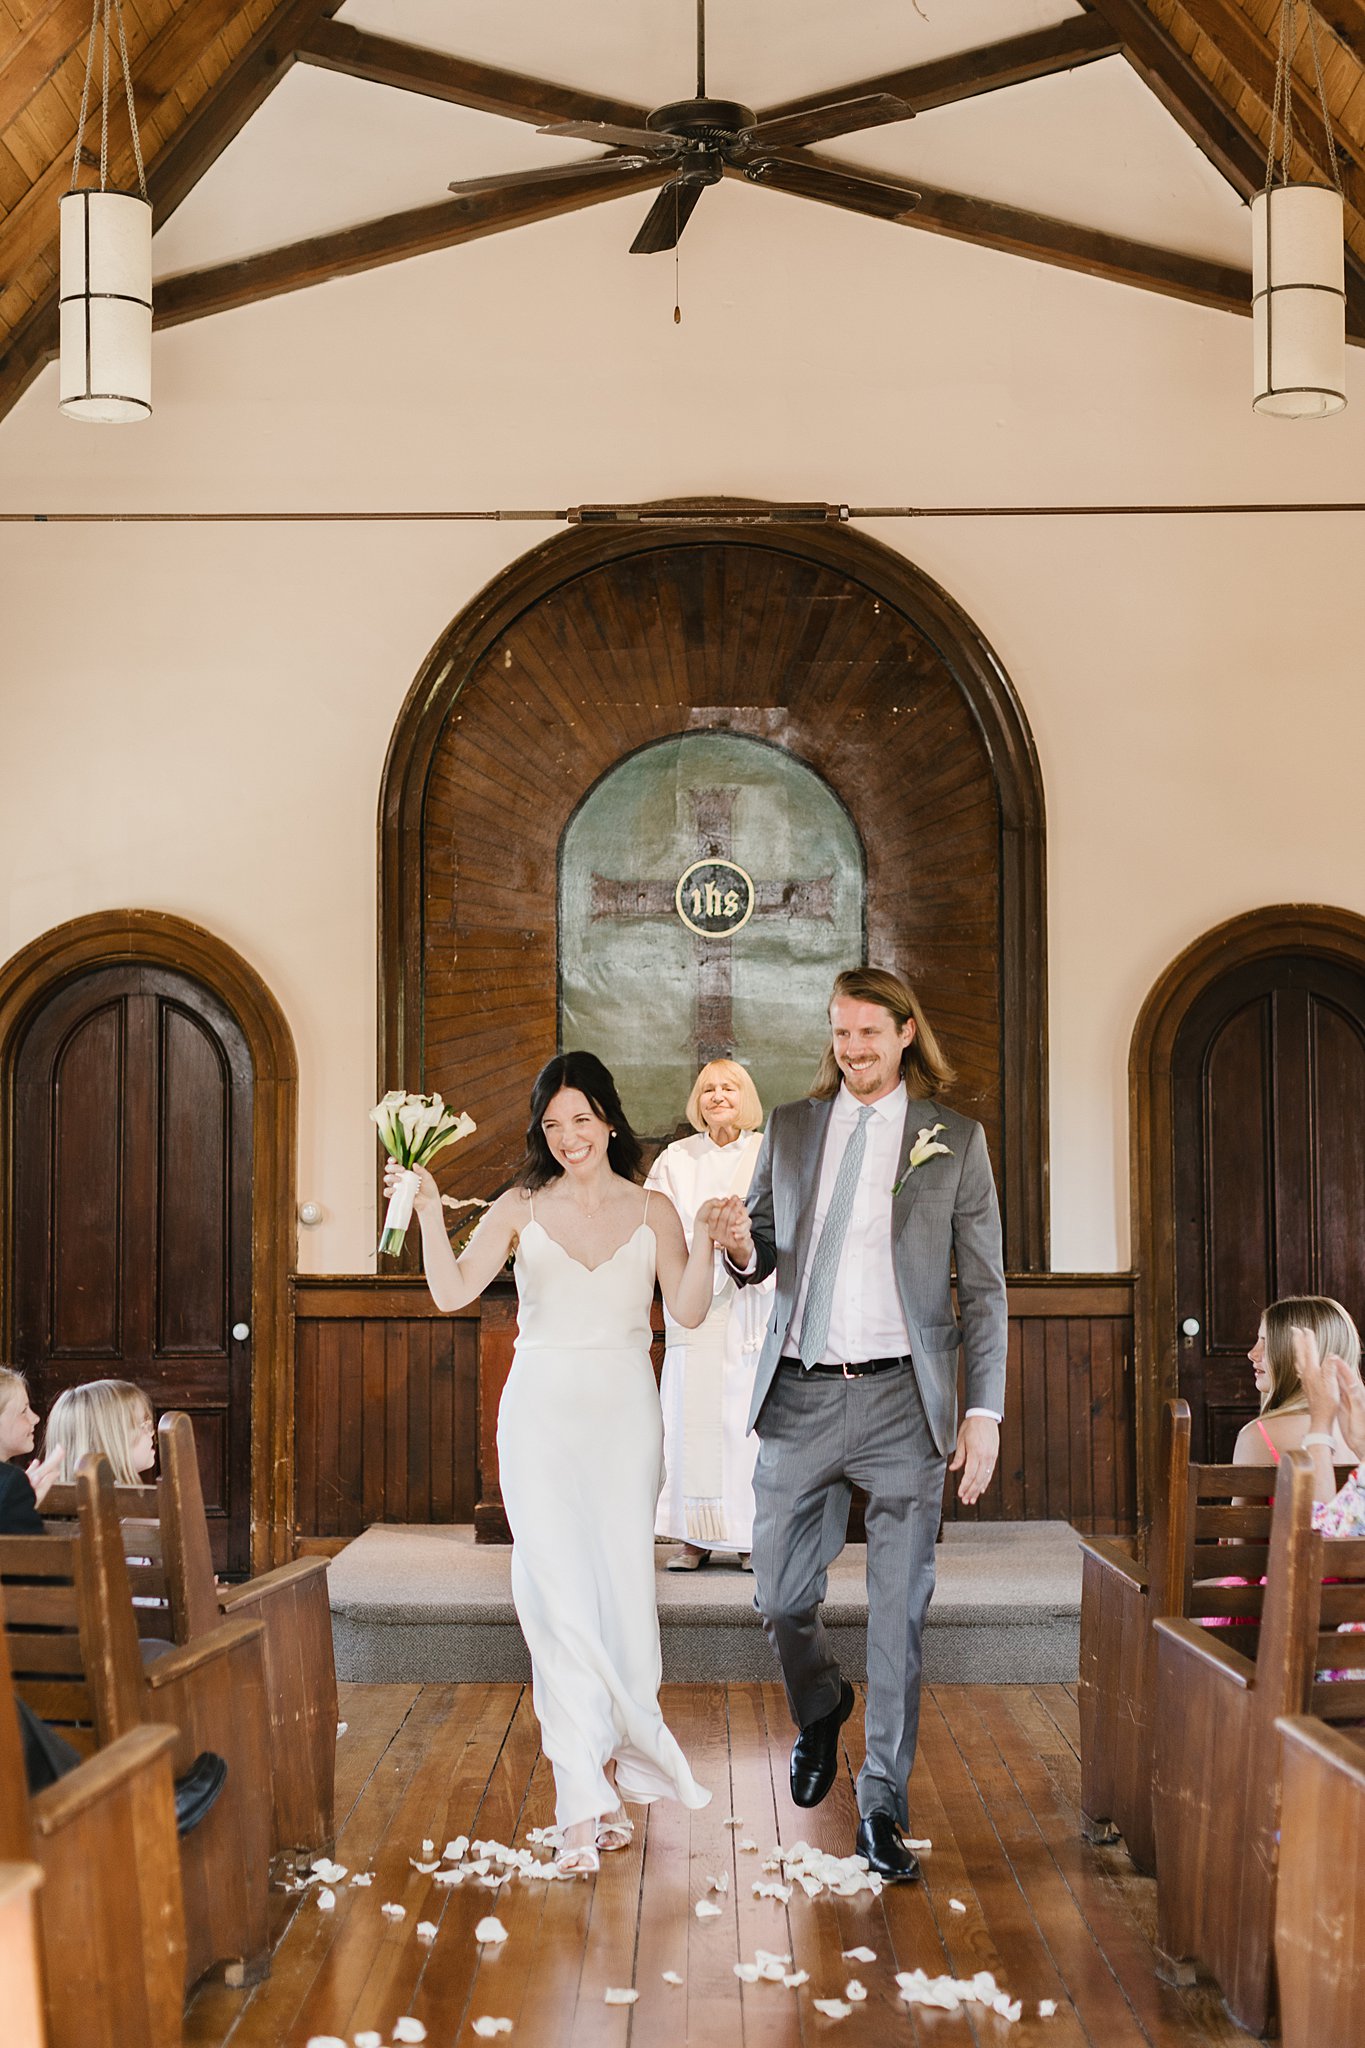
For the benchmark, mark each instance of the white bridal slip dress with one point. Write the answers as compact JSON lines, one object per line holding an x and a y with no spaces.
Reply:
{"x":580,"y":1453}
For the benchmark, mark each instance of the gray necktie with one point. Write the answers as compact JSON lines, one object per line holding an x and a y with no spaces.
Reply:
{"x":825,"y":1264}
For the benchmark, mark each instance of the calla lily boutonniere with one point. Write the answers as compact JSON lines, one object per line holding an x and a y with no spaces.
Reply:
{"x":924,"y":1147}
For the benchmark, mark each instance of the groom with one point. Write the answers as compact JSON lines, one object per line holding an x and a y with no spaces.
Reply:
{"x":861,"y":1197}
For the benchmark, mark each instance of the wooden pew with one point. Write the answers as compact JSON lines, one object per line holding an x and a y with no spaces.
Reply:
{"x":74,"y":1648}
{"x":1320,"y":1900}
{"x":1187,"y":1552}
{"x":166,"y":1543}
{"x":107,"y":1920}
{"x":1217,"y":1783}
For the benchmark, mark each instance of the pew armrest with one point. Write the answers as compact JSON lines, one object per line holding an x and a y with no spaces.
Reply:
{"x":110,"y":1768}
{"x":1189,"y":1640}
{"x":1109,"y":1552}
{"x":1344,"y":1752}
{"x":284,"y":1578}
{"x":191,"y":1657}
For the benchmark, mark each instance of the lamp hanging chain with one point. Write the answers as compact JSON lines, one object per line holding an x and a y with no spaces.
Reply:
{"x":85,"y":91}
{"x":104,"y":107}
{"x":132,"y":111}
{"x":1322,"y":100}
{"x":1282,"y":109}
{"x":95,"y":12}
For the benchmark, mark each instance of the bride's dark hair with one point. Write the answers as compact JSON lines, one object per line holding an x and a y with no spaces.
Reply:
{"x":585,"y":1072}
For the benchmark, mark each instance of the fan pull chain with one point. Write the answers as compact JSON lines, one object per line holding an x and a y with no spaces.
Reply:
{"x":677,"y":265}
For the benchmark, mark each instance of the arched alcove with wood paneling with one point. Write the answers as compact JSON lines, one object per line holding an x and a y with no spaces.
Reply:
{"x":822,"y":643}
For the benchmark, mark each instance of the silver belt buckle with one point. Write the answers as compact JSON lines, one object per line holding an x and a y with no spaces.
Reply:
{"x":850,"y":1375}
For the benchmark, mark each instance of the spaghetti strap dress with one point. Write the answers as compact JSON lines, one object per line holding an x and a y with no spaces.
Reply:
{"x":580,"y":1455}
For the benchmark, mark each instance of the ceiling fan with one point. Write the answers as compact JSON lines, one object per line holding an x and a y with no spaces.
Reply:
{"x":701,"y":140}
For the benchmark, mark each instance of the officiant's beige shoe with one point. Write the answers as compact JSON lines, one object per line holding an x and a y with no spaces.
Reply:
{"x":688,"y":1559}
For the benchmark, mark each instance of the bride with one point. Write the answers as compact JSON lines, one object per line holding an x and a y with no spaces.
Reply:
{"x":580,"y":1437}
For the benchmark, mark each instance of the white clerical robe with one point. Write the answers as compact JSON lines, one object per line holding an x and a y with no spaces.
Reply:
{"x":708,"y":1376}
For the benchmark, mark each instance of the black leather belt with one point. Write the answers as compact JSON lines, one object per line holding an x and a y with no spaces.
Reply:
{"x":865,"y":1369}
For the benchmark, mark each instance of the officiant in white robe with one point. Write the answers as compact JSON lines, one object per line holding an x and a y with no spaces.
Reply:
{"x":707,"y":1503}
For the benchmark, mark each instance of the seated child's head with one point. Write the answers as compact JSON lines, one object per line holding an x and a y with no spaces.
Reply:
{"x":112,"y":1416}
{"x":17,"y":1419}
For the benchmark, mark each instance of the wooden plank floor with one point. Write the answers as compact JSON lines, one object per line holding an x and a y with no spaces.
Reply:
{"x":995,"y":1788}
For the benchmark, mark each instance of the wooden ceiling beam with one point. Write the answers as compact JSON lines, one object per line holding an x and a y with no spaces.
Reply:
{"x":963,"y":76}
{"x":336,"y":46}
{"x":991,"y":224}
{"x":1254,"y":57}
{"x":219,"y":116}
{"x":421,"y":230}
{"x":1206,"y":118}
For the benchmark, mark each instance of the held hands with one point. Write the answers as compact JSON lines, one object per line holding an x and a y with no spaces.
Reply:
{"x":43,"y":1474}
{"x":977,"y":1448}
{"x":728,"y":1222}
{"x":428,"y":1197}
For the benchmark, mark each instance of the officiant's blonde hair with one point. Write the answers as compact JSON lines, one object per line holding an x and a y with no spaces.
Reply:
{"x":925,"y":1067}
{"x":750,"y":1108}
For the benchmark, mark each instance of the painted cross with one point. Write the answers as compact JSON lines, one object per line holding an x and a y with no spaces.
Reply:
{"x":713,"y":1034}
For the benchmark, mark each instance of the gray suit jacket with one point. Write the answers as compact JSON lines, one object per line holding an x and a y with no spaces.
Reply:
{"x":946,"y":1206}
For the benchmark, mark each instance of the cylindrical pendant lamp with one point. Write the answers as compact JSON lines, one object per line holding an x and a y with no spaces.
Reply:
{"x":105,"y":287}
{"x":106,"y":306}
{"x":1298,"y":301}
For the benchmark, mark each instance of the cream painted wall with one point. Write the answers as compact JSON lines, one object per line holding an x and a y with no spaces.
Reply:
{"x":1173,"y":670}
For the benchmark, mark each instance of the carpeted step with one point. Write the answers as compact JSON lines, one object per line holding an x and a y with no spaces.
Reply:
{"x":426,"y":1604}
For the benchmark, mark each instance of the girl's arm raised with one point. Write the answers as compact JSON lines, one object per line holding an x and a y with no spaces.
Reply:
{"x":455,"y":1282}
{"x":686,"y":1278}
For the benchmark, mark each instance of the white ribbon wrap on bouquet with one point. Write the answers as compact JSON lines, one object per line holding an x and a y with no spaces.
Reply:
{"x":399,"y":1213}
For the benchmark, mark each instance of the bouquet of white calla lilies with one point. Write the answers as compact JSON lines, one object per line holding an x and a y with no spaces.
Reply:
{"x":413,"y":1129}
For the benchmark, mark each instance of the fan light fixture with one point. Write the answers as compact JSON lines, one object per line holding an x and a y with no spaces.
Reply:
{"x":106,"y":268}
{"x":1298,"y":282}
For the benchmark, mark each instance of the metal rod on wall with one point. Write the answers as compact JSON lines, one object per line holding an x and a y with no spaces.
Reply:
{"x":686,"y":515}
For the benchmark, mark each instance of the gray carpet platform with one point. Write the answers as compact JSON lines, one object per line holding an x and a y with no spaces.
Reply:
{"x":420,"y":1603}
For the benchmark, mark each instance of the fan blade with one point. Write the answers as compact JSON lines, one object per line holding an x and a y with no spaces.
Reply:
{"x":667,"y":217}
{"x":554,"y":174}
{"x":613,"y":137}
{"x":835,"y":117}
{"x":858,"y":194}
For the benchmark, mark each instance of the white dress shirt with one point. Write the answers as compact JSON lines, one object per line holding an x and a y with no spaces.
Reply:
{"x":865,"y":1319}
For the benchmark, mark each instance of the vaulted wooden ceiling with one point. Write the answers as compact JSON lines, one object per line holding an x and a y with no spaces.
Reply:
{"x":201,"y":68}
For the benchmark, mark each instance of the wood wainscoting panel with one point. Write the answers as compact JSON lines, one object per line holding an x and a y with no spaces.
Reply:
{"x":1067,"y":1443}
{"x":386,"y":1406}
{"x":396,"y":1407}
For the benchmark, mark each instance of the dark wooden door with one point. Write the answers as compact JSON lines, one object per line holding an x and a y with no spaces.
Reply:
{"x":132,"y":1212}
{"x":1268,"y":1078}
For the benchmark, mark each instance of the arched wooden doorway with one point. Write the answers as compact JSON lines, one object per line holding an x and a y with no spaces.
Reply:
{"x":822,"y":643}
{"x":149,"y":1116}
{"x":1248,"y":1152}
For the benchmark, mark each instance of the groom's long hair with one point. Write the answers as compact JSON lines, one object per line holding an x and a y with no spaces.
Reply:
{"x":925,"y":1067}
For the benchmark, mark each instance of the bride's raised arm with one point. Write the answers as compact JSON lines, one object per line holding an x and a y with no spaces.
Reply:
{"x":687,"y":1278}
{"x":455,"y":1282}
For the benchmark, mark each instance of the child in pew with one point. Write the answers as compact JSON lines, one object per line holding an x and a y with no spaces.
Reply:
{"x":112,"y":1416}
{"x":115,"y":1417}
{"x":22,"y":1491}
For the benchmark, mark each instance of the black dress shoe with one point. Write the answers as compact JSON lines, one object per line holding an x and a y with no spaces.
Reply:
{"x":196,"y":1792}
{"x":881,"y":1842}
{"x":815,"y":1752}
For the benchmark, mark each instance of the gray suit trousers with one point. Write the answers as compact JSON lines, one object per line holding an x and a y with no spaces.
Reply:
{"x":818,"y":1437}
